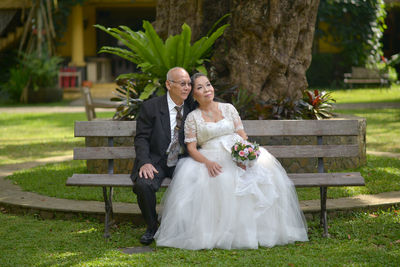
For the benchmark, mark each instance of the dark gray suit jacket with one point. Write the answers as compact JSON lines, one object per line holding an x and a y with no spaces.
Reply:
{"x":153,"y":133}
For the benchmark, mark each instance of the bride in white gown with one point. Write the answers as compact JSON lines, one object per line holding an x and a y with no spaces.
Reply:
{"x":213,"y":203}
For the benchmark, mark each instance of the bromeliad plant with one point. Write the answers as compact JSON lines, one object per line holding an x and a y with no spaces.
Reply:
{"x":317,"y":104}
{"x":128,"y":95}
{"x":154,"y":57}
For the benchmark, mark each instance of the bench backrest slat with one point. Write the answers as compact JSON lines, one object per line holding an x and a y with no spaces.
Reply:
{"x":104,"y":128}
{"x":252,"y":128}
{"x":313,"y":151}
{"x":364,"y":73}
{"x":104,"y":153}
{"x":301,"y":128}
{"x":304,"y":151}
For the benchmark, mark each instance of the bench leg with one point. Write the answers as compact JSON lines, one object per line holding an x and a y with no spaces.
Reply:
{"x":324,"y":219}
{"x":109,"y":211}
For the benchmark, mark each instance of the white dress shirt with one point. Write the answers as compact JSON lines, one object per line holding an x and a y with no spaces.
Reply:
{"x":172,"y":115}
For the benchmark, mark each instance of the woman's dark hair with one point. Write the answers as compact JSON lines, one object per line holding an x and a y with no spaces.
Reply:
{"x":191,"y":100}
{"x":195,"y":76}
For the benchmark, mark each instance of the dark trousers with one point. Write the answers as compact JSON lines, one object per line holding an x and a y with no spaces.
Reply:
{"x":145,"y":190}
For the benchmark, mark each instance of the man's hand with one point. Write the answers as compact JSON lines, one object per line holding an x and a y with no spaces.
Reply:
{"x":147,"y":171}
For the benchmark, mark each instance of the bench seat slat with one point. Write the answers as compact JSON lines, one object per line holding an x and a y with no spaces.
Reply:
{"x":299,"y":179}
{"x":252,"y":128}
{"x":304,"y":151}
{"x":104,"y":128}
{"x":118,"y":180}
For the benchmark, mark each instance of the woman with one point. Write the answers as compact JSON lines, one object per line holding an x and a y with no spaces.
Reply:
{"x":213,"y":203}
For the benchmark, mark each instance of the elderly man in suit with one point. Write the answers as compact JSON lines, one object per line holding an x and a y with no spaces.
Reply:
{"x":159,"y":142}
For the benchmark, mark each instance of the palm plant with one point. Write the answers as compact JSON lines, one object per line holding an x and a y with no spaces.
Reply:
{"x":154,"y":57}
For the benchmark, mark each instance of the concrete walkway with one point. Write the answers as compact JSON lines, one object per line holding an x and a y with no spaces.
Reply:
{"x":13,"y":198}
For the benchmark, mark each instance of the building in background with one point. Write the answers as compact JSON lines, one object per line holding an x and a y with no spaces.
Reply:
{"x":81,"y":41}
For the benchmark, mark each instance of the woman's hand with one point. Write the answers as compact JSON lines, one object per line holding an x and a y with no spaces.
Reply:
{"x":241,"y":165}
{"x":213,"y":168}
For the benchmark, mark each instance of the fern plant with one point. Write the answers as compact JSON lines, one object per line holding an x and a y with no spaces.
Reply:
{"x":154,"y":57}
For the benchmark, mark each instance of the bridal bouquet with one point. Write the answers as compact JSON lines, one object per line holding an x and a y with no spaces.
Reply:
{"x":245,"y":153}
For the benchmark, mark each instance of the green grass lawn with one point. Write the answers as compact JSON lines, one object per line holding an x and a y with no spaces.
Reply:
{"x":383,"y":128}
{"x":27,"y":137}
{"x":357,"y":239}
{"x":367,"y":95}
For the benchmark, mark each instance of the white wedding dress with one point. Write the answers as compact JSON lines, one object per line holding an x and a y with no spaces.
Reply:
{"x":237,"y":208}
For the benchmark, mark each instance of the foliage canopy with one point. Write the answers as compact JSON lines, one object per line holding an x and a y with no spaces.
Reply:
{"x":356,"y":26}
{"x":154,"y":57}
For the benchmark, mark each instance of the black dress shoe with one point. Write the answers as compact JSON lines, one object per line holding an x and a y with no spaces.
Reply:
{"x":148,"y":236}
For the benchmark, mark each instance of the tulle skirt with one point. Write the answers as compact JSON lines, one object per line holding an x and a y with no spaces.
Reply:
{"x":235,"y":210}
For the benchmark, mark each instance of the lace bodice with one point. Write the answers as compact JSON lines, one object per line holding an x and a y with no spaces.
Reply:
{"x":200,"y":131}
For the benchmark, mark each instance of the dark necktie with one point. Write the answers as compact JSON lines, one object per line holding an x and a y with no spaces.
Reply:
{"x":175,"y":147}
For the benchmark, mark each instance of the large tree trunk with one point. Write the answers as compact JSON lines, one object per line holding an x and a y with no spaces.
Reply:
{"x":267,"y":48}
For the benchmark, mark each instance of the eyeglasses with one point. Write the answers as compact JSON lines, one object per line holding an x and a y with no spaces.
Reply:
{"x":182,"y":84}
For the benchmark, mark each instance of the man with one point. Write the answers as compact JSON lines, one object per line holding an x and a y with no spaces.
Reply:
{"x":159,"y":141}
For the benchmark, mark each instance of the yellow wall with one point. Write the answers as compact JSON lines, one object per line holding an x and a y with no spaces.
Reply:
{"x":324,"y":44}
{"x":64,"y":49}
{"x":89,"y":17}
{"x":89,"y":34}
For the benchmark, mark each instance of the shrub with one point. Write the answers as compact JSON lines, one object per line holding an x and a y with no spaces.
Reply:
{"x":34,"y":71}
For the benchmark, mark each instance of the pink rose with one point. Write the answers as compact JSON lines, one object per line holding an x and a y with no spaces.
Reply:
{"x":250,"y":149}
{"x":236,"y":147}
{"x":241,"y":153}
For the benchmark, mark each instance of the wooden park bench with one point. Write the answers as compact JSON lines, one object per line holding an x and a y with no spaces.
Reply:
{"x":91,"y":104}
{"x":317,"y":129}
{"x":361,"y":75}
